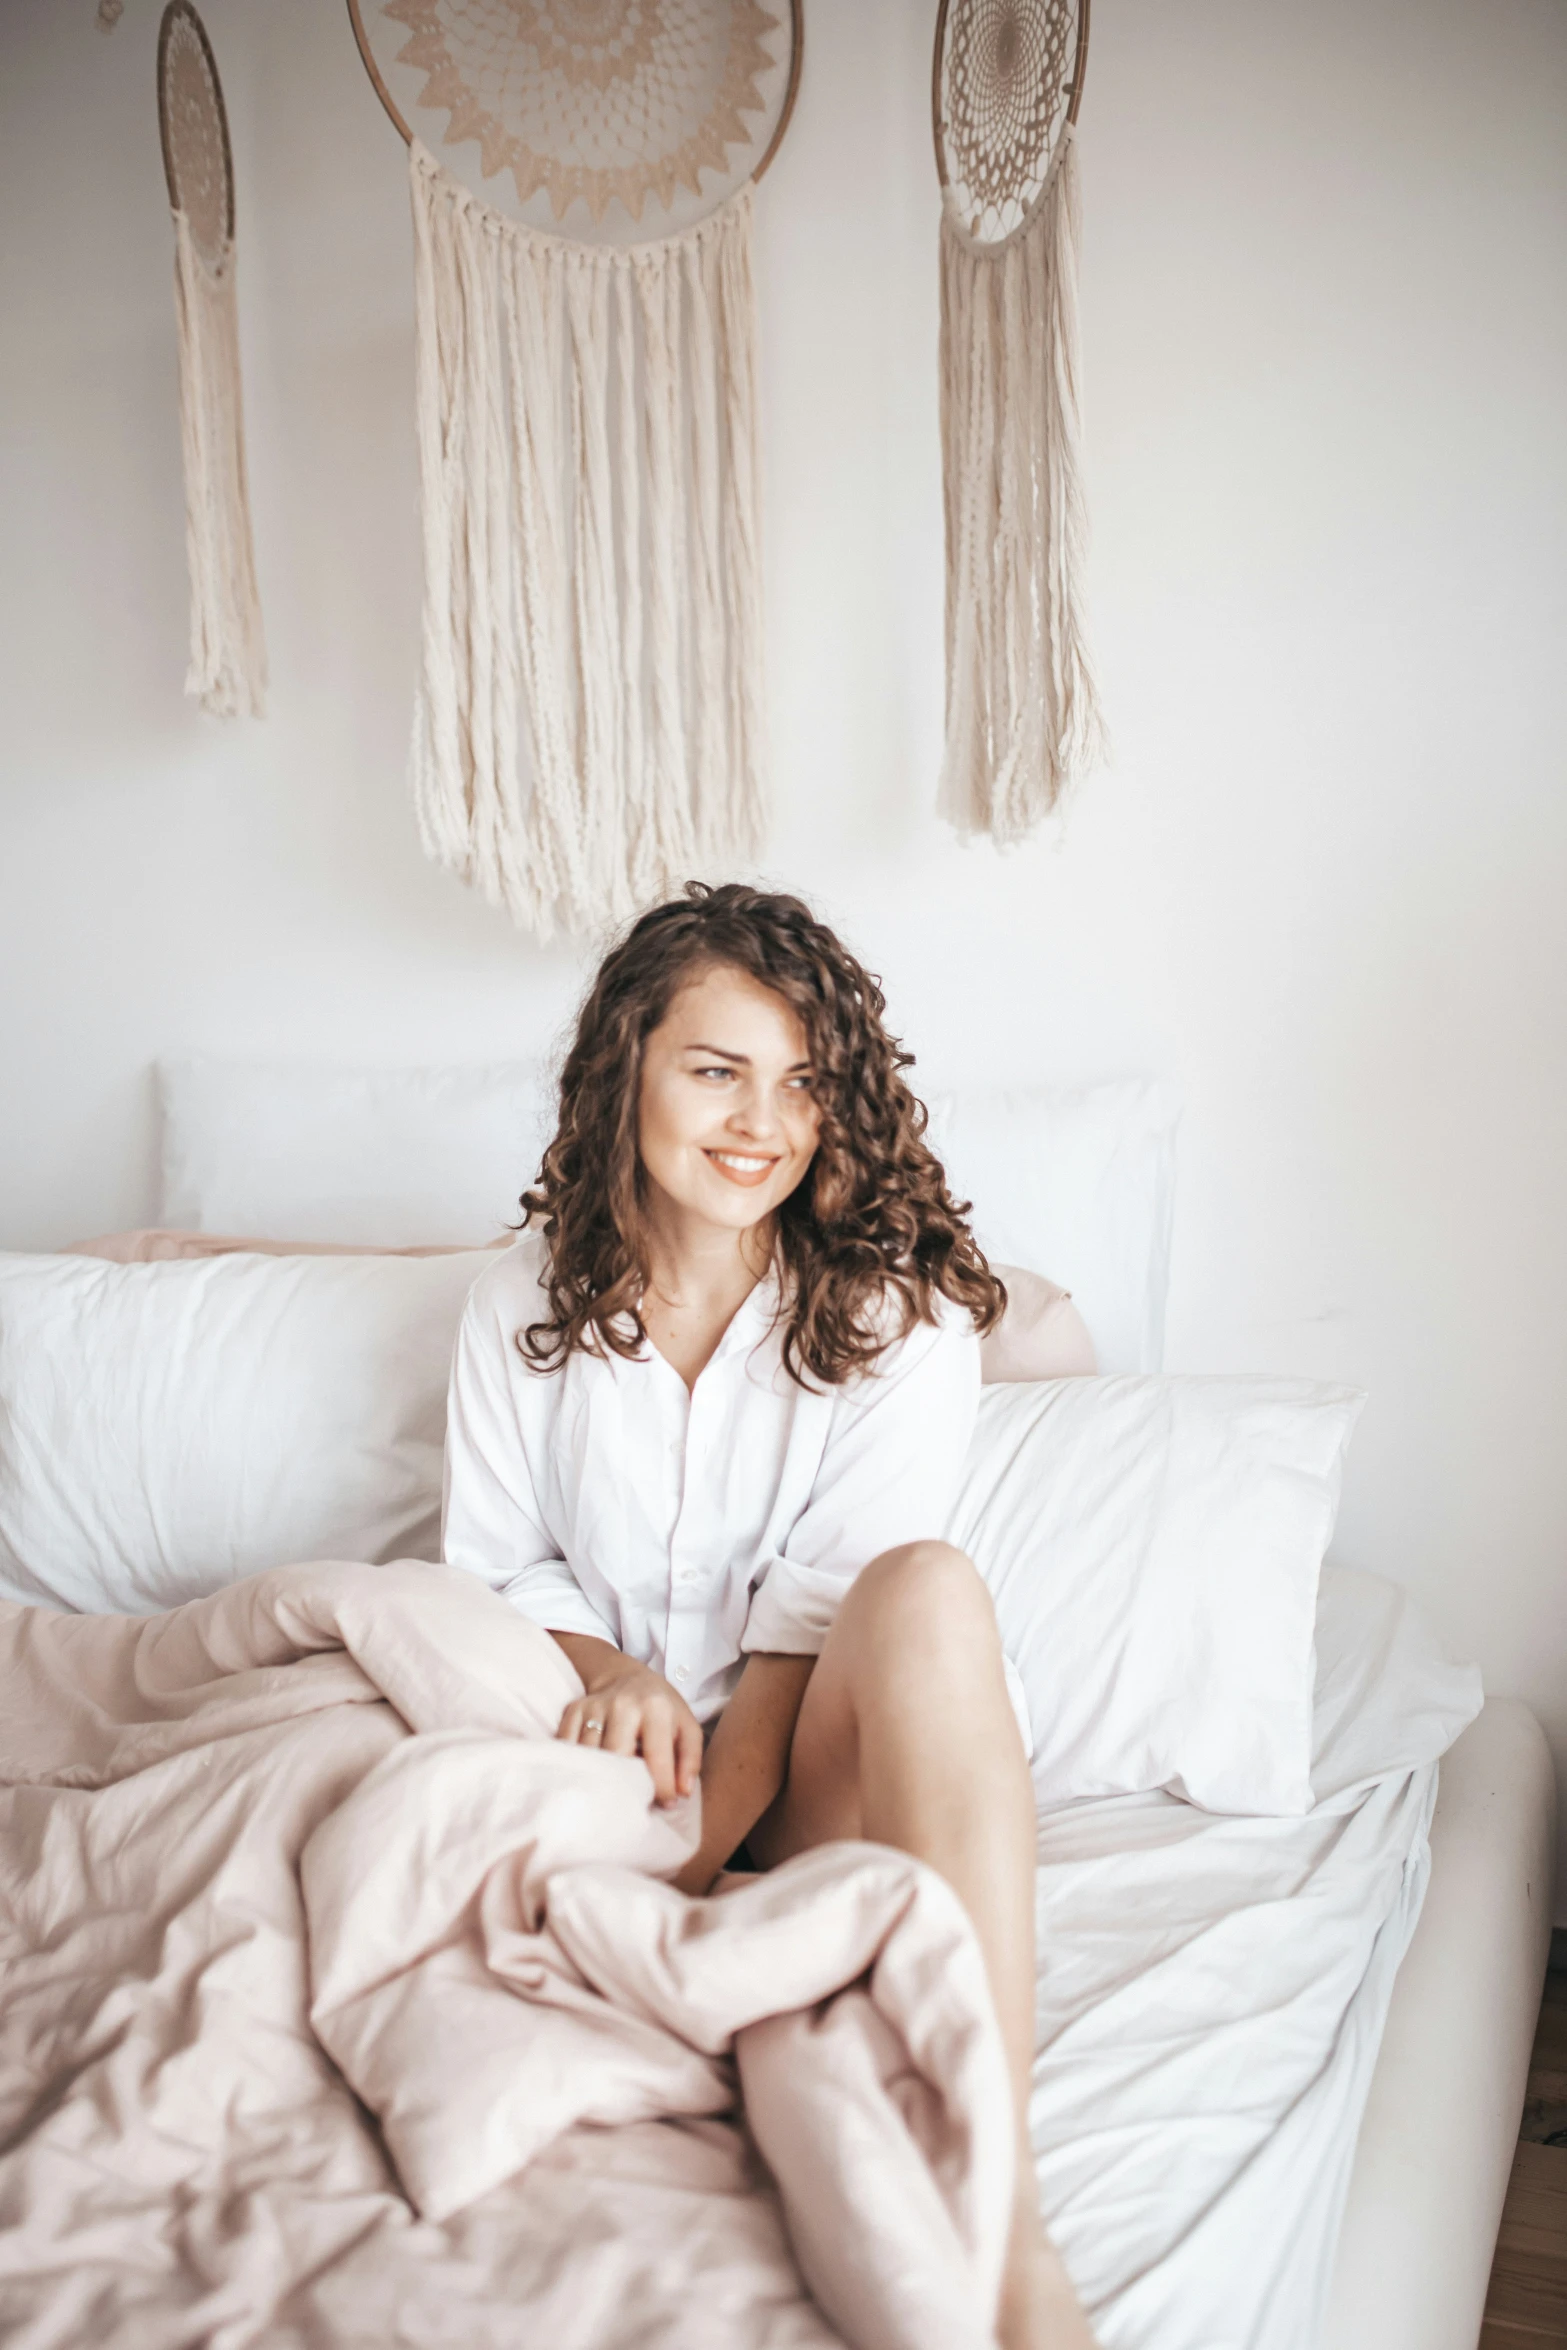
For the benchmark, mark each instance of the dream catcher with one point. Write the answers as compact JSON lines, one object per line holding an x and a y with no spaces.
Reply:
{"x":1022,"y":711}
{"x":228,"y":660}
{"x":589,"y":722}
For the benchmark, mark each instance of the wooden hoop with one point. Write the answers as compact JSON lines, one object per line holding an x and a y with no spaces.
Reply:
{"x":796,"y":54}
{"x":1074,"y":83}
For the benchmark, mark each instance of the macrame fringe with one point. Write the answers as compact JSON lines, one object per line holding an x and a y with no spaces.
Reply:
{"x":228,"y":658}
{"x":1023,"y":717}
{"x":589,"y":721}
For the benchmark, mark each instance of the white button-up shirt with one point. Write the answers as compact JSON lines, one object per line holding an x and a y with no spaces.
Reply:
{"x":689,"y":1528}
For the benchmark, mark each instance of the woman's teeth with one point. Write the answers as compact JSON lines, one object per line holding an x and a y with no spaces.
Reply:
{"x":744,"y":1168}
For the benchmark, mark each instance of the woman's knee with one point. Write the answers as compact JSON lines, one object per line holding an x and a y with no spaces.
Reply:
{"x":926,"y":1594}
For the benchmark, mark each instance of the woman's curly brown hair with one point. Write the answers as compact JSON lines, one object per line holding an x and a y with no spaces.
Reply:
{"x":872,"y":1222}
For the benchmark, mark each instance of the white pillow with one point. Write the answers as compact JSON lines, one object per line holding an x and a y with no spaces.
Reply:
{"x":166,"y":1429}
{"x":1153,"y":1548}
{"x":1389,"y":1697}
{"x":384,"y":1158}
{"x":1078,"y":1185}
{"x":1152,"y":1544}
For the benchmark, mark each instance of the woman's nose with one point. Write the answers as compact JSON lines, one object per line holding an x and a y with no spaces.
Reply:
{"x":753,"y":1113}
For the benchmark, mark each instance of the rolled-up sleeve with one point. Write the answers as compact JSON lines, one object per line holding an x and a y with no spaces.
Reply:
{"x":490,"y":1519}
{"x":889,"y":1474}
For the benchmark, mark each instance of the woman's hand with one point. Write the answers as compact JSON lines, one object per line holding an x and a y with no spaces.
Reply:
{"x":629,"y":1709}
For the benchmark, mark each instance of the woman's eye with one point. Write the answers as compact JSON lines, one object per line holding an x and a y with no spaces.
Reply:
{"x":715,"y":1072}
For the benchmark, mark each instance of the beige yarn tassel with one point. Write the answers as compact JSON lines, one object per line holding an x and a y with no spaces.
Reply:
{"x":228,"y":656}
{"x":1023,"y":719}
{"x":588,"y":727}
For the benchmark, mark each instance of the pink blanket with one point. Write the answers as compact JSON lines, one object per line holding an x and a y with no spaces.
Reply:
{"x":339,"y":2004}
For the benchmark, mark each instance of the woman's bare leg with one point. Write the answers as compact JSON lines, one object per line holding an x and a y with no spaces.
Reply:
{"x":906,"y":1737}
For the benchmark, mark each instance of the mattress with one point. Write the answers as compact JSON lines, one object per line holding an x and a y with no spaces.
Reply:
{"x":1441,"y":2121}
{"x":1212,"y":1997}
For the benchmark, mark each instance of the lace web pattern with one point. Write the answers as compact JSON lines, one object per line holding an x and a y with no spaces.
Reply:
{"x":594,"y":100}
{"x":195,"y":140}
{"x":1004,"y":99}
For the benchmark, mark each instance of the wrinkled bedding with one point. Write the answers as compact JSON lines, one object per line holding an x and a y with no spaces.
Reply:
{"x":339,"y":2005}
{"x":1212,"y":1992}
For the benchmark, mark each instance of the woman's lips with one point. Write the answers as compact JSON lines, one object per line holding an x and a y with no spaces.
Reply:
{"x":750,"y":1170}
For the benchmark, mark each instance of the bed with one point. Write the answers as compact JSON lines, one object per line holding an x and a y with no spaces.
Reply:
{"x":1282,"y":2057}
{"x":182,"y":2162}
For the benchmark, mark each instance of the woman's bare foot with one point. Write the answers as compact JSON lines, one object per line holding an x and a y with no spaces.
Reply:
{"x":1039,"y":2309}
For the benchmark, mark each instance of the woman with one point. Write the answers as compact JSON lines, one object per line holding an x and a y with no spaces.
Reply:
{"x":707,"y":1423}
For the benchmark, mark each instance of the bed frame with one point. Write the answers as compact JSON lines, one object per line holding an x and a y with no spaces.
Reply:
{"x":1441,"y":2123}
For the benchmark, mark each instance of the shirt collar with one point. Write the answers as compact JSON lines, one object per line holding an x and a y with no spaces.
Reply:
{"x":755,"y":1316}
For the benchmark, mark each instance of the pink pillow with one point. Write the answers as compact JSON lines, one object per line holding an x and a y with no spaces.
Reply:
{"x":152,"y":1247}
{"x":1040,"y":1336}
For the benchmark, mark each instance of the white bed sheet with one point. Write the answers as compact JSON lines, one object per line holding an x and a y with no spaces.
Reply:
{"x":1211,"y":2000}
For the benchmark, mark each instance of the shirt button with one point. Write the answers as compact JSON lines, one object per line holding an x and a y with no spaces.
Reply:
{"x":681,"y":1674}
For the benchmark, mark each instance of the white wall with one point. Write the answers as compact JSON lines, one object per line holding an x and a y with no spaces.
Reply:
{"x":1325,"y":319}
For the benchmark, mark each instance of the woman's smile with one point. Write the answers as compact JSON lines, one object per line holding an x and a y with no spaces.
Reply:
{"x":740,"y":1166}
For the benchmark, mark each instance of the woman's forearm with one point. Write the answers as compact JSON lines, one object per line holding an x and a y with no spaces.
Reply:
{"x":596,"y":1660}
{"x":747,"y":1759}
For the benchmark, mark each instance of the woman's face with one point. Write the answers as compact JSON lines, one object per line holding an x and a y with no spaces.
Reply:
{"x":728,"y":1119}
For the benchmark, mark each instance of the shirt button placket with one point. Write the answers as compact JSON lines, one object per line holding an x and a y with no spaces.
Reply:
{"x":684,"y":1631}
{"x":679,"y":1673}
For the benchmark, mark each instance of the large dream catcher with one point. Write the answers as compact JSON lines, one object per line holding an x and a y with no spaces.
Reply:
{"x":589,"y":722}
{"x":228,"y":661}
{"x":1022,"y":712}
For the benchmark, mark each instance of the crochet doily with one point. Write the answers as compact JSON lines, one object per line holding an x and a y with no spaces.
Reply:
{"x":595,"y":101}
{"x":195,"y":131}
{"x":1003,"y":99}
